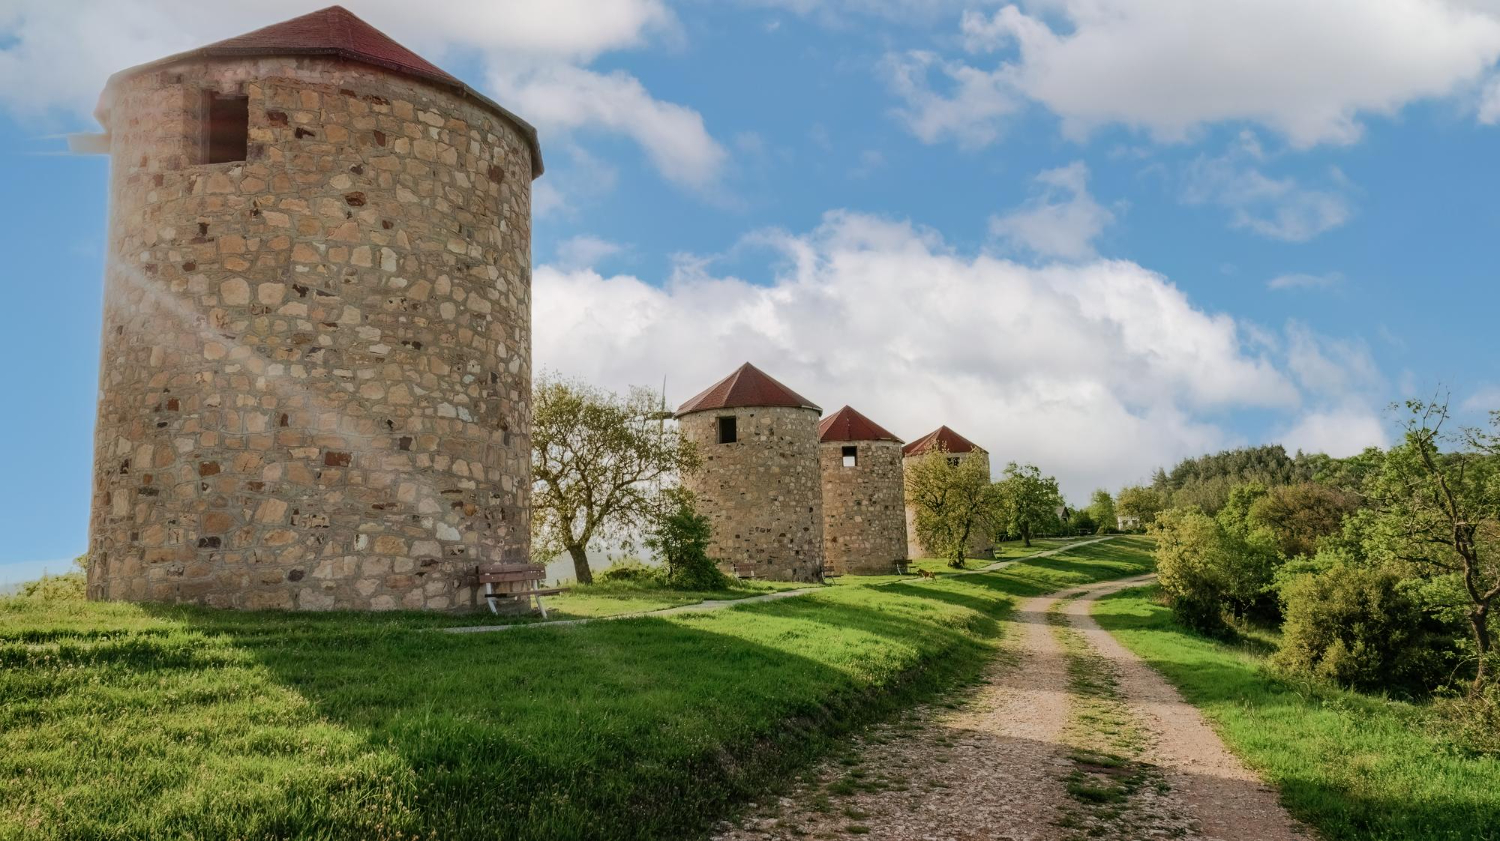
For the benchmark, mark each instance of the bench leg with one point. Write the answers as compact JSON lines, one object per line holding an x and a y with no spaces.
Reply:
{"x":489,"y":589}
{"x":541,"y":607}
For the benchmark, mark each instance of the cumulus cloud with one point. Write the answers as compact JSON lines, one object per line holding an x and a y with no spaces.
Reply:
{"x":1062,"y":220}
{"x":1483,"y":400}
{"x":1101,"y":371}
{"x":563,"y":97}
{"x":1309,"y":71}
{"x":55,"y":57}
{"x":1339,"y":432}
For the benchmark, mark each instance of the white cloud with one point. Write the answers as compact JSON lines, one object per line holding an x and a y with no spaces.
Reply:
{"x":1062,"y":220}
{"x":585,"y":251}
{"x":1489,"y":102}
{"x":1099,"y":371}
{"x":1308,"y":70}
{"x":1299,"y":280}
{"x":1339,"y":432}
{"x":56,"y":56}
{"x":1484,"y":400}
{"x":1332,"y":369}
{"x":563,"y":97}
{"x":1278,"y":208}
{"x":972,"y":109}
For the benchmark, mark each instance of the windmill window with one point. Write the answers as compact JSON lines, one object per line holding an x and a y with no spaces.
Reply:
{"x":728,"y":430}
{"x":953,"y":461}
{"x":851,"y":456}
{"x":226,"y":129}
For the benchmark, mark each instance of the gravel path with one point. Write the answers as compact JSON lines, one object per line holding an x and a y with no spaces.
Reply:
{"x":995,"y":768}
{"x":990,"y":770}
{"x":1224,"y":800}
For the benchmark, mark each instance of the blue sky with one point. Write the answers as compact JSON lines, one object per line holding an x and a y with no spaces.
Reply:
{"x":1089,"y":234}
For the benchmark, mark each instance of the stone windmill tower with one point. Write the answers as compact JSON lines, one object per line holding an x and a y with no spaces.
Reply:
{"x":759,"y":482}
{"x":958,"y":448}
{"x":864,"y":500}
{"x":316,"y":370}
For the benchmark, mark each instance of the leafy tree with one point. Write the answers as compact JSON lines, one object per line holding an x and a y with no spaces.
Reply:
{"x":1210,"y":567}
{"x":1144,"y":503}
{"x":1299,"y":516}
{"x":680,"y":537}
{"x":1102,"y":510}
{"x":1028,"y":501}
{"x":1083,"y":521}
{"x":953,"y":501}
{"x":1207,"y":481}
{"x":598,"y":463}
{"x":1438,"y":513}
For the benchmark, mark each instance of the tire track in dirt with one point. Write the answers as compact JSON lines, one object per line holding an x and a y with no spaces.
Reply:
{"x":989,"y":770}
{"x":1222,"y":798}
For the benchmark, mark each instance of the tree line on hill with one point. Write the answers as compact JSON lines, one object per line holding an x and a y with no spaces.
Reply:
{"x":1379,"y":571}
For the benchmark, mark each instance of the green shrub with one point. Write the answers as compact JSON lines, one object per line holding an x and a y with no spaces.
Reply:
{"x":1209,"y":571}
{"x":68,"y":587}
{"x":681,"y":540}
{"x":1359,"y":627}
{"x":631,"y":570}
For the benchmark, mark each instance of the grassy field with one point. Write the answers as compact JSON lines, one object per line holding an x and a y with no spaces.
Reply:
{"x":1351,"y":766}
{"x":1010,"y":550}
{"x":136,"y":721}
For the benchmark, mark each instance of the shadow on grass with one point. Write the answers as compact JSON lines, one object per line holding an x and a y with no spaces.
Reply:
{"x":218,"y":724}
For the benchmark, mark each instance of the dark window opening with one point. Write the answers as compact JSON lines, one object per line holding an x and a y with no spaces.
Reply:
{"x":728,"y":431}
{"x":851,"y":456}
{"x":953,"y":460}
{"x":226,"y":129}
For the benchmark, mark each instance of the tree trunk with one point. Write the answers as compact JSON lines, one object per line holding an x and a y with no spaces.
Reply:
{"x":581,"y":564}
{"x":1479,"y":620}
{"x":1026,"y":537}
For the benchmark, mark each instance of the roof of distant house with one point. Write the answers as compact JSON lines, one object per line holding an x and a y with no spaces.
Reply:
{"x":949,"y":440}
{"x":848,"y":425}
{"x":336,"y":32}
{"x":747,"y":386}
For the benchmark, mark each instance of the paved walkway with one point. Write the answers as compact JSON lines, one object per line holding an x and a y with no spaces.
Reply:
{"x":719,"y":604}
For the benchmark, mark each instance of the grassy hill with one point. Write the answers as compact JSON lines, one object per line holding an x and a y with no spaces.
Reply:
{"x":146,"y":721}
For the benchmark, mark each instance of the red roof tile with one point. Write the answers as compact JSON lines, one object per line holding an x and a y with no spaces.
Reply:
{"x":849,"y":425}
{"x":747,"y":386}
{"x":337,"y":32}
{"x":950,"y":441}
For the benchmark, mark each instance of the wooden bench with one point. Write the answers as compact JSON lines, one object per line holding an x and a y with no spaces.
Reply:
{"x":901,"y":566}
{"x":530,"y":576}
{"x":743,"y":571}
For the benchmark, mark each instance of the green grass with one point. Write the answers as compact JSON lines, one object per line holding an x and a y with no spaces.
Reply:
{"x":1010,"y":550}
{"x":1351,"y":766}
{"x":131,"y":721}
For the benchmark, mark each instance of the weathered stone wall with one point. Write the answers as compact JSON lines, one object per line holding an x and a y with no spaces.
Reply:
{"x":864,"y":507}
{"x":315,"y":380}
{"x":762,"y":493}
{"x":980,"y":545}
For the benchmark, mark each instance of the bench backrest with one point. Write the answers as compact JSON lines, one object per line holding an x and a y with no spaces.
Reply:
{"x":505,"y":572}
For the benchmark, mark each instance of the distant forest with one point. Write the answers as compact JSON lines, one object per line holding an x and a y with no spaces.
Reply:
{"x":1205,"y":481}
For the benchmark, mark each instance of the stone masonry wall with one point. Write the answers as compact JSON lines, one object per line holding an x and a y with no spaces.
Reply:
{"x":762,"y":493}
{"x":864,"y":507}
{"x":315,"y":378}
{"x":980,"y":546}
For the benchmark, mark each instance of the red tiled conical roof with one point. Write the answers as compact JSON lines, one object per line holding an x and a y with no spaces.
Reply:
{"x":747,"y":386}
{"x":339,"y":33}
{"x":950,"y":441}
{"x":849,"y":425}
